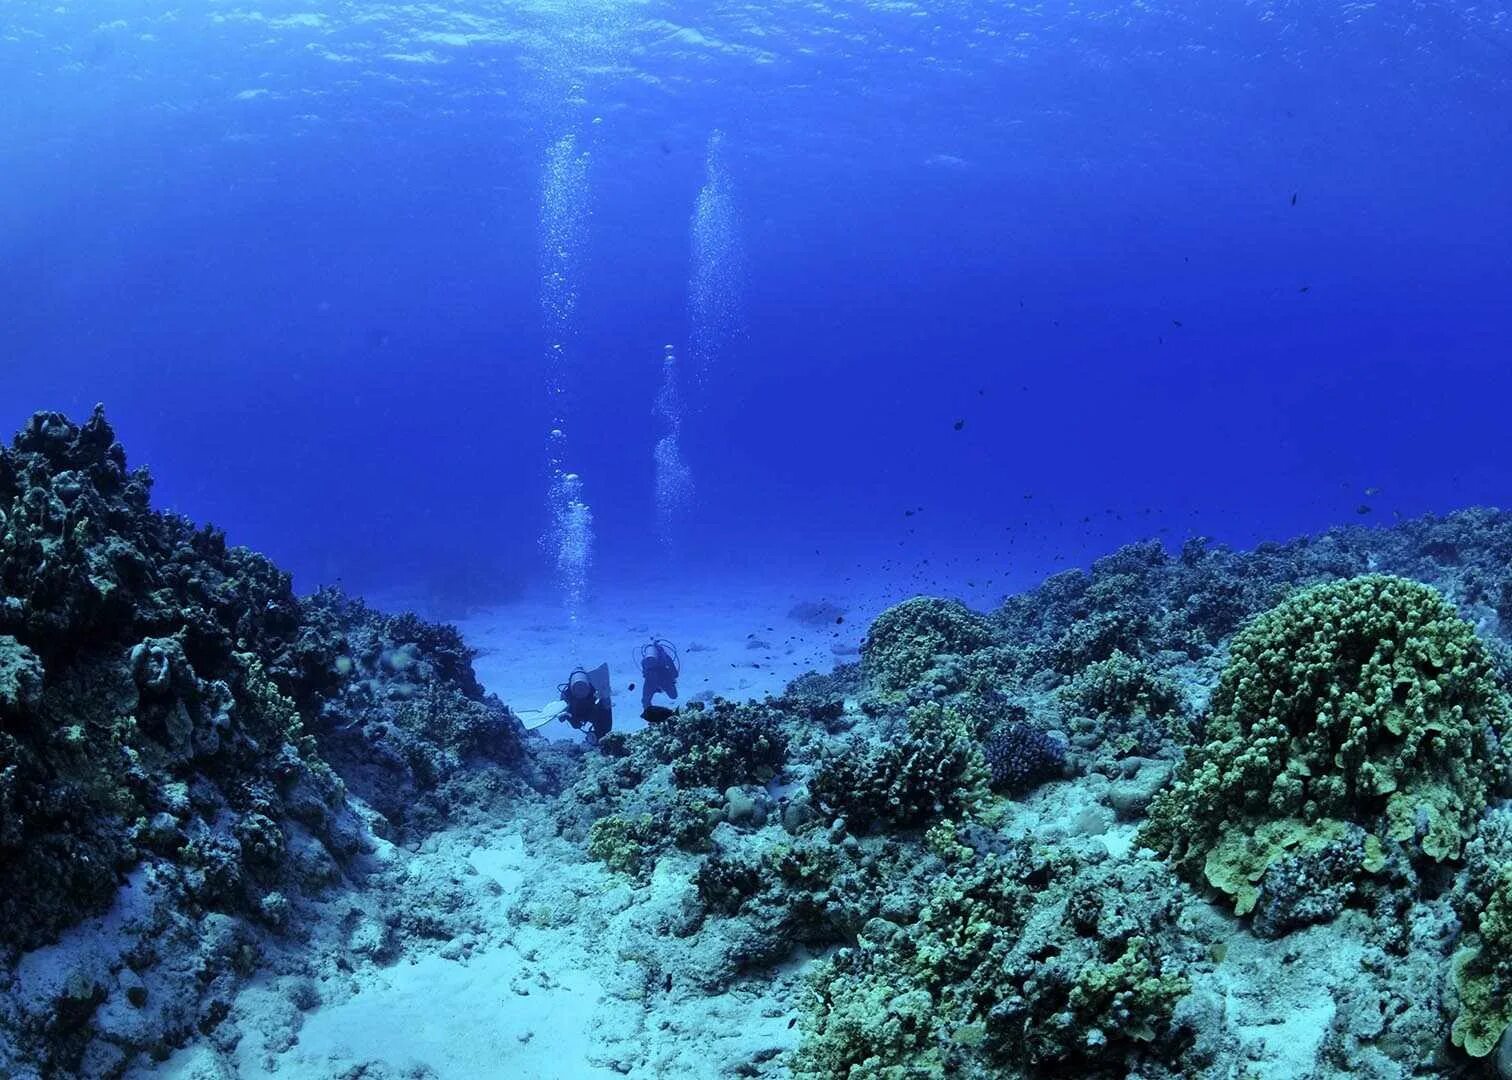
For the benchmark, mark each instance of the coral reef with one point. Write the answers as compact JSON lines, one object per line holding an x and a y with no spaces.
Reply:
{"x":1002,"y":845}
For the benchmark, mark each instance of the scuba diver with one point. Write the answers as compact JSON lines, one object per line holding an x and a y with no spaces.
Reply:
{"x":586,"y":695}
{"x":659,"y":671}
{"x":585,"y":701}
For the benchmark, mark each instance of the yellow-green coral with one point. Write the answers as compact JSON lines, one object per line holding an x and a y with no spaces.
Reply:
{"x":1367,"y":701}
{"x":978,"y":983}
{"x":905,"y":640}
{"x":626,"y":845}
{"x":1483,"y":975}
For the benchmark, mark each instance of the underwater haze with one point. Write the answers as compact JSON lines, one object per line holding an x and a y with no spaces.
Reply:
{"x":806,"y":540}
{"x":1060,"y":275}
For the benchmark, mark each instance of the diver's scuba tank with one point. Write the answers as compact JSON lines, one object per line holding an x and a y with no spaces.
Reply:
{"x":586,"y":695}
{"x":659,"y":670}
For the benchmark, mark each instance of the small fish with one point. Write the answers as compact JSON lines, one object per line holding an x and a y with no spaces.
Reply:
{"x":630,"y":687}
{"x":668,"y":984}
{"x":1362,"y":509}
{"x":792,"y":1022}
{"x":839,"y":619}
{"x":959,"y":424}
{"x":1294,"y":198}
{"x":1372,"y":491}
{"x":1175,"y":322}
{"x":908,"y":513}
{"x":1305,"y":288}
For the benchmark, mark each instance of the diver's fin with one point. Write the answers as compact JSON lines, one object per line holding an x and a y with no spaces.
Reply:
{"x":539,"y":718}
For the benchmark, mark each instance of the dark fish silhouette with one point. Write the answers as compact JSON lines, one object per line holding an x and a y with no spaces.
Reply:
{"x":1294,"y":198}
{"x":1175,"y":322}
{"x":959,"y":424}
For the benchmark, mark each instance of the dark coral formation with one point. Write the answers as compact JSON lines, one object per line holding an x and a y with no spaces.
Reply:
{"x":1020,"y":756}
{"x":154,"y":669}
{"x":171,"y":713}
{"x":933,"y":769}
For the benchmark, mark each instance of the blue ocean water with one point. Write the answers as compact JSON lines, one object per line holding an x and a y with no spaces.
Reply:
{"x":978,"y":284}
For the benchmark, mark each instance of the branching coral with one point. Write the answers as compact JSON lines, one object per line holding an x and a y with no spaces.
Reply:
{"x":716,"y":745}
{"x":1121,"y":686}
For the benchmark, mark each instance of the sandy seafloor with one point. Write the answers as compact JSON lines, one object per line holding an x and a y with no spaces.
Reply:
{"x":548,"y":999}
{"x":737,"y":639}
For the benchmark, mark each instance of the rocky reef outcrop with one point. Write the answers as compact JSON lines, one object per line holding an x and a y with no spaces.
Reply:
{"x":189,"y":752}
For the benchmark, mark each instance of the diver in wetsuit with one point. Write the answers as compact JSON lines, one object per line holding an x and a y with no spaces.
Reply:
{"x":586,"y":695}
{"x":659,"y":671}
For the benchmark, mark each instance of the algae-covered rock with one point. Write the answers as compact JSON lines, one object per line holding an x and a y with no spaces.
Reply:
{"x":1482,"y":967}
{"x":1367,"y":701}
{"x":397,"y":708}
{"x":20,"y":678}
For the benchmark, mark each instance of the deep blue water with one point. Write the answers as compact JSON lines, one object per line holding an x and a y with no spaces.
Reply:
{"x":1211,"y":268}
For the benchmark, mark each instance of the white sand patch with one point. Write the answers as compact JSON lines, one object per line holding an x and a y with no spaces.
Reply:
{"x":523,"y":1005}
{"x":737,"y":640}
{"x":497,"y":1015}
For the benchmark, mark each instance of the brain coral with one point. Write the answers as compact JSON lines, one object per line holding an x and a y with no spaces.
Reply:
{"x":1366,"y":700}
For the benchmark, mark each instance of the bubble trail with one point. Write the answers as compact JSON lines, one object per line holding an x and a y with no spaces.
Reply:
{"x":716,"y":290}
{"x":674,"y":480}
{"x":564,"y":225}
